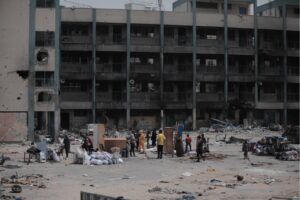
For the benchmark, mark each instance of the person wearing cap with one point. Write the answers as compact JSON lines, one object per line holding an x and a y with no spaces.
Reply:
{"x":160,"y":144}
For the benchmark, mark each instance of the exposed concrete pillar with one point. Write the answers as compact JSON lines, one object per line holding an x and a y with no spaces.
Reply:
{"x":162,"y":37}
{"x":31,"y":77}
{"x":194,"y":66}
{"x":94,"y":103}
{"x":284,"y":65}
{"x":57,"y":69}
{"x":255,"y":55}
{"x":128,"y":104}
{"x":226,"y":56}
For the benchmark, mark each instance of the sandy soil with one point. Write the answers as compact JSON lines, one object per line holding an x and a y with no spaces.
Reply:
{"x":136,"y":176}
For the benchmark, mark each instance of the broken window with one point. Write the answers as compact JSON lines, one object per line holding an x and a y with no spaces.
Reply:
{"x":80,"y":113}
{"x":102,"y":86}
{"x":42,"y":56}
{"x":169,"y":32}
{"x":44,"y":97}
{"x":206,"y":5}
{"x":44,"y":38}
{"x":269,"y":90}
{"x":45,"y":3}
{"x":44,"y":79}
{"x":75,"y":29}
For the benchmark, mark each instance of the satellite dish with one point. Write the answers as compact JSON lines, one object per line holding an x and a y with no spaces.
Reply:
{"x":131,"y":81}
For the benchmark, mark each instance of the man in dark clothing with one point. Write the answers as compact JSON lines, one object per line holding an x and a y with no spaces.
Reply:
{"x":153,"y":137}
{"x":245,"y":149}
{"x":199,"y":146}
{"x":67,"y":145}
{"x":147,"y":138}
{"x":137,"y":136}
{"x":132,"y":144}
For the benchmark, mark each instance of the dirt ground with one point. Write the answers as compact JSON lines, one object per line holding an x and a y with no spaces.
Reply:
{"x":170,"y":178}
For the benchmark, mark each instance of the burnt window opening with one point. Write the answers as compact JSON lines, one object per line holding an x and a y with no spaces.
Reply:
{"x":206,"y":5}
{"x":44,"y":97}
{"x":102,"y":87}
{"x":45,"y":3}
{"x":207,"y":34}
{"x":44,"y":39}
{"x":75,"y":29}
{"x":80,"y":113}
{"x":23,"y":73}
{"x":42,"y":56}
{"x":140,"y":31}
{"x":44,"y":79}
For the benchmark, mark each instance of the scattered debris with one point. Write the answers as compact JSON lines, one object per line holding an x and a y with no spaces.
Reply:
{"x":239,"y":177}
{"x":187,"y":174}
{"x":16,"y":189}
{"x":269,"y":180}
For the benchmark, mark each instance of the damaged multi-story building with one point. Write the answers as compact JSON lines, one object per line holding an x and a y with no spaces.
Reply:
{"x":225,"y":59}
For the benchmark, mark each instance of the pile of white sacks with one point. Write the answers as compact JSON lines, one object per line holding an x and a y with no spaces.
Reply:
{"x":96,"y":158}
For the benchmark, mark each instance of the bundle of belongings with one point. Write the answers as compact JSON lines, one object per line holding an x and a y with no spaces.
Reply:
{"x":96,"y":158}
{"x":42,"y":153}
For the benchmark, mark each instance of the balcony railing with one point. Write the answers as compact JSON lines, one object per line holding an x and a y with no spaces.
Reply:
{"x":273,"y":45}
{"x":75,"y":96}
{"x":270,"y":97}
{"x":246,"y":96}
{"x":210,"y":69}
{"x":76,"y":39}
{"x":177,"y":97}
{"x":241,"y":70}
{"x":213,"y":97}
{"x":270,"y":71}
{"x":111,"y":68}
{"x":145,"y":97}
{"x":110,"y":96}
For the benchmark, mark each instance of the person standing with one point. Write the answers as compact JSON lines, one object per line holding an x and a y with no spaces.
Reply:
{"x":160,"y":144}
{"x":142,"y":140}
{"x":153,"y":137}
{"x":199,"y":145}
{"x":132,"y":144}
{"x":137,"y":139}
{"x":67,"y":145}
{"x":148,"y":138}
{"x":188,"y":143}
{"x":245,"y":149}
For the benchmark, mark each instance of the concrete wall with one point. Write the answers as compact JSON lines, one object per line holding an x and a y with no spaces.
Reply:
{"x":13,"y":127}
{"x":76,"y":15}
{"x":45,"y":19}
{"x":111,"y":16}
{"x":14,"y":20}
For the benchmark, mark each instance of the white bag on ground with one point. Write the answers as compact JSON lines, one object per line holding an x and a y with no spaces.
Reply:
{"x":86,"y":158}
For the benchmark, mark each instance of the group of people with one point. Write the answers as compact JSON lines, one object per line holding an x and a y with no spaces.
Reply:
{"x":136,"y":141}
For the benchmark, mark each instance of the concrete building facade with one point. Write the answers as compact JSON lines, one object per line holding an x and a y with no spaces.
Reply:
{"x":205,"y":59}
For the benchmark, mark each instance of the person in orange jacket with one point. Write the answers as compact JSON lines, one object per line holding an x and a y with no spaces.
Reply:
{"x":141,"y":140}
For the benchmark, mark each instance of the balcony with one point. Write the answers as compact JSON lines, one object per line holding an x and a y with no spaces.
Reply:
{"x":246,"y":96}
{"x":145,"y":41}
{"x":44,"y":83}
{"x":114,"y":71}
{"x":76,"y":70}
{"x":270,"y":71}
{"x":111,"y":100}
{"x":293,"y":44}
{"x":271,"y":45}
{"x":116,"y":39}
{"x":178,"y":100}
{"x":172,"y":72}
{"x":241,"y":74}
{"x":145,"y":71}
{"x":265,"y":97}
{"x":83,"y":43}
{"x":142,"y":100}
{"x":75,"y":96}
{"x":210,"y":97}
{"x":293,"y":97}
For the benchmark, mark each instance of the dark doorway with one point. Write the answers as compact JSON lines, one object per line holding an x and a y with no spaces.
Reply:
{"x":65,"y":120}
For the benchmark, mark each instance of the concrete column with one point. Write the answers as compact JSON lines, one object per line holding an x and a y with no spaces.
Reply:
{"x":226,"y":55}
{"x":162,"y":37}
{"x":128,"y":104}
{"x":256,"y":54}
{"x":57,"y":69}
{"x":284,"y":65}
{"x":94,"y":103}
{"x":31,"y":77}
{"x":194,"y":66}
